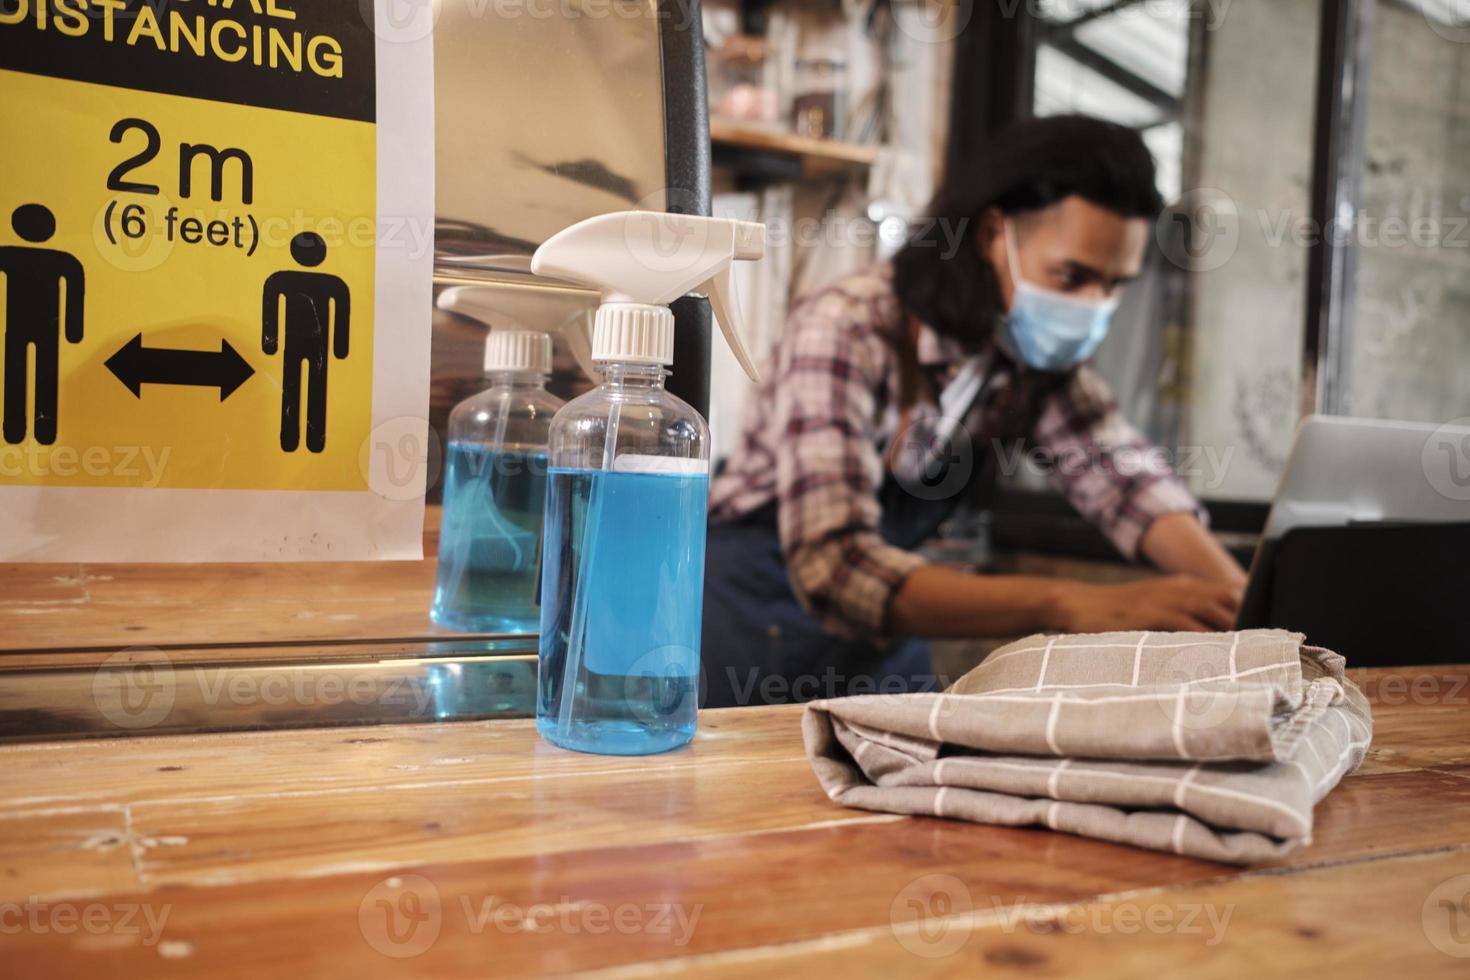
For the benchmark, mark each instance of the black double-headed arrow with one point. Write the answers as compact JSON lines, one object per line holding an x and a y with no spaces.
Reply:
{"x":136,"y":366}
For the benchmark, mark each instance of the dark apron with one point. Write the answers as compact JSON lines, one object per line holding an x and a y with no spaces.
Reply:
{"x":760,"y":647}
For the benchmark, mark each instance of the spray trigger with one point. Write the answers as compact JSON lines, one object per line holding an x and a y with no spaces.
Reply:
{"x":721,"y":301}
{"x":640,"y":261}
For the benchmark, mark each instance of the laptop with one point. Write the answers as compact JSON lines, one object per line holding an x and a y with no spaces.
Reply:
{"x":1367,"y":545}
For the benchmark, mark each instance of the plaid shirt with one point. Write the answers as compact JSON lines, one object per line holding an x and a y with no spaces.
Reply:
{"x":826,"y":425}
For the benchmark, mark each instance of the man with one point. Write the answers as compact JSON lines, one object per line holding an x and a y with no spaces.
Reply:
{"x":812,"y":584}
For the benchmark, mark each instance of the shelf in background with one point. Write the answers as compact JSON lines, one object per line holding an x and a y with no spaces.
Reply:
{"x":784,"y":155}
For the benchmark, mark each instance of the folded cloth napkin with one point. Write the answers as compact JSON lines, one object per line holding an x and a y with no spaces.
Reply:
{"x":1212,"y":745}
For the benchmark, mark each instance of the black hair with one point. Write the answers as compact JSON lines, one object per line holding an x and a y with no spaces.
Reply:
{"x":941,"y":277}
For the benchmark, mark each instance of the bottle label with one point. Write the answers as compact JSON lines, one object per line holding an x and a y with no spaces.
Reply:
{"x":639,"y":463}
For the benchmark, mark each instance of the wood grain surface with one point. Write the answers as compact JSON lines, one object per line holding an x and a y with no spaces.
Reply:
{"x":475,"y":849}
{"x":55,"y":615}
{"x":70,"y":609}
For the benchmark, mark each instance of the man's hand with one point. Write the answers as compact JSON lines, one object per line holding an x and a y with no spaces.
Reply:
{"x":1178,"y":602}
{"x":1178,"y":543}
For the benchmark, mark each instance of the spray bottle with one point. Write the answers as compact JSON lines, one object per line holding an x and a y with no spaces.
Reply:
{"x":495,"y":492}
{"x":623,"y":566}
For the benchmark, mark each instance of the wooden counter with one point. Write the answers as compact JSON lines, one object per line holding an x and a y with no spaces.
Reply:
{"x":80,"y":613}
{"x":50,"y":611}
{"x":474,"y":849}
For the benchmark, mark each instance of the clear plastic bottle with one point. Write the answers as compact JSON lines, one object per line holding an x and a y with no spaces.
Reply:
{"x":623,"y":570}
{"x":495,"y":491}
{"x":623,"y":573}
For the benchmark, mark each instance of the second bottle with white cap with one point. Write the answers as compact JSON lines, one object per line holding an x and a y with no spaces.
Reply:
{"x":495,"y":491}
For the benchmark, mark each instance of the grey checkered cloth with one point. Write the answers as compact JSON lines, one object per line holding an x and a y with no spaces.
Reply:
{"x":1212,"y":745}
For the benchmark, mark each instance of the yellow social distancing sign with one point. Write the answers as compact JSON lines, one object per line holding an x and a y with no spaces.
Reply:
{"x":191,"y":198}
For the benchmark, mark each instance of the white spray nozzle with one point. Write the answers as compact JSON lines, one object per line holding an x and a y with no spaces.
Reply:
{"x":650,"y":259}
{"x":504,"y":306}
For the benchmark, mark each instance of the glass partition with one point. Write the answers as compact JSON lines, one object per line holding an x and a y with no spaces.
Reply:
{"x":1206,"y":352}
{"x":1408,"y":351}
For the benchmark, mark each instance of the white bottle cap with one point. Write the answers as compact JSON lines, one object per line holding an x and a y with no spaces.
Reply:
{"x":518,"y":350}
{"x":636,"y":332}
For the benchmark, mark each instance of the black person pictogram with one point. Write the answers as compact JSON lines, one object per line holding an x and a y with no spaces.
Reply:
{"x":317,"y":311}
{"x":35,"y":279}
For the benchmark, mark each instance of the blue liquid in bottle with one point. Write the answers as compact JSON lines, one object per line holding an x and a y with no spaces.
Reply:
{"x":623,"y":591}
{"x":490,"y":540}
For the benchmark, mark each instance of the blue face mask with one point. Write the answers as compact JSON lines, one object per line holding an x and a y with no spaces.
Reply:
{"x":1051,"y":331}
